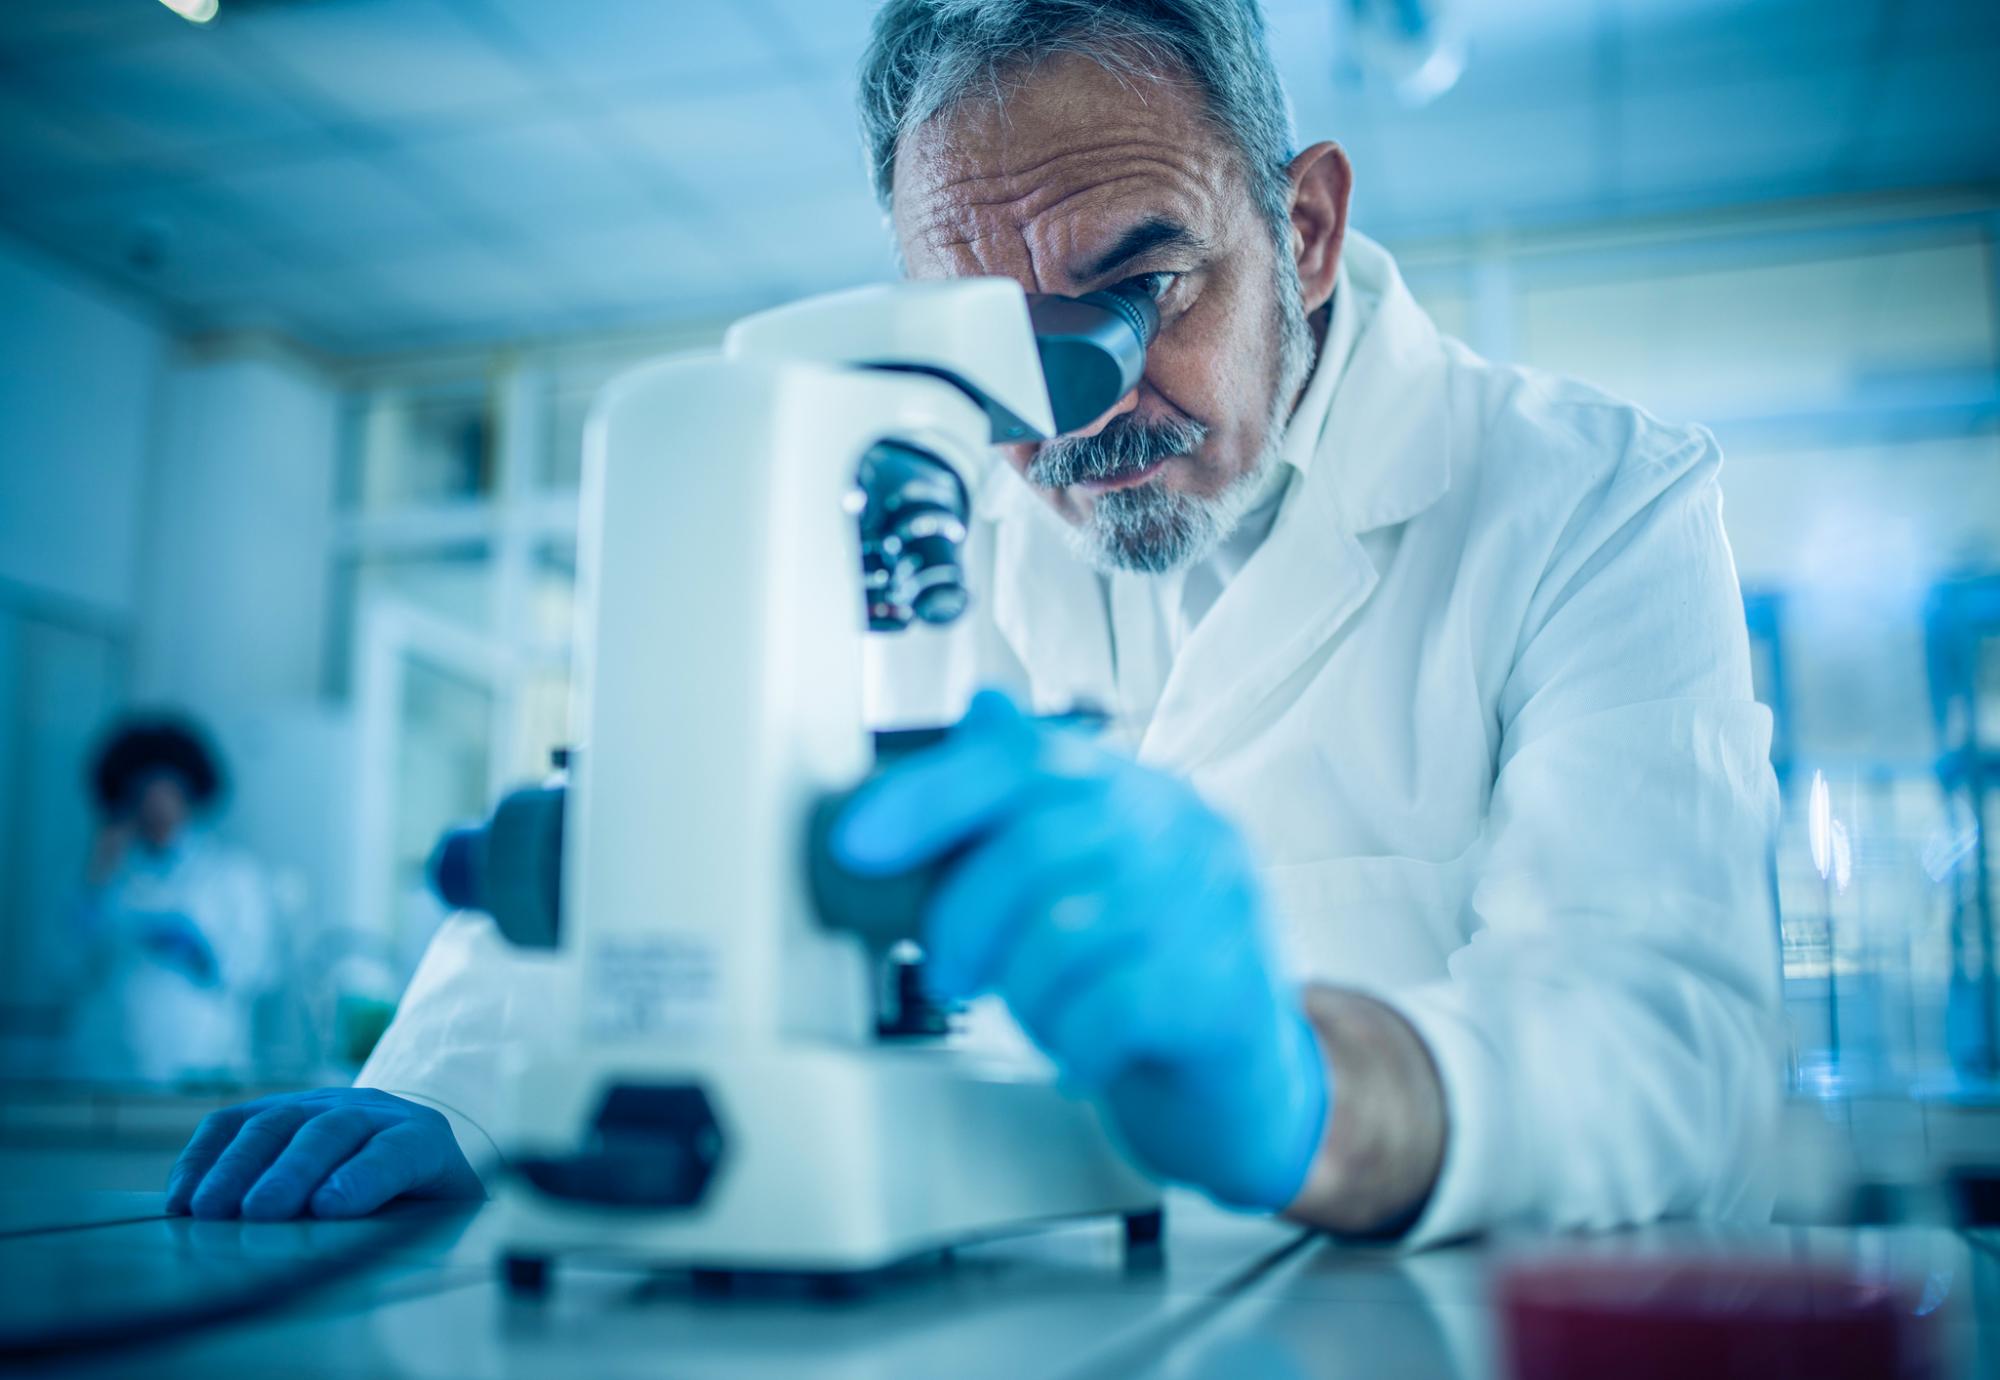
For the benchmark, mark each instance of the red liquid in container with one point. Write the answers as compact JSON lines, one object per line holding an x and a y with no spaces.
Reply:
{"x":1698,"y":1319}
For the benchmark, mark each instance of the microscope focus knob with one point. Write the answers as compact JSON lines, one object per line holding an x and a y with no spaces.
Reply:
{"x":455,"y":867}
{"x":913,"y":515}
{"x":509,"y":866}
{"x":943,"y":601}
{"x":933,"y":578}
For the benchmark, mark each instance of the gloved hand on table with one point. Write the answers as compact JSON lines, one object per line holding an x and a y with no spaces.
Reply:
{"x":334,"y":1152}
{"x":1118,"y":917}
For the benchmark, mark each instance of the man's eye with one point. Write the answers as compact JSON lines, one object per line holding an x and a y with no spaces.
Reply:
{"x":1154,"y":285}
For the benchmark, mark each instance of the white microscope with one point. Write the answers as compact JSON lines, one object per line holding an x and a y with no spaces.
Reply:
{"x":730,"y":1098}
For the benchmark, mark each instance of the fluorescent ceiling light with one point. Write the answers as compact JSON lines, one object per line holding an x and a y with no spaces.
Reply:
{"x":194,"y":11}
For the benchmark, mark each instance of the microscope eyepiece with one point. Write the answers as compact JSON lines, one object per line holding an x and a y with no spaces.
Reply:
{"x":1093,"y":349}
{"x":913,"y":508}
{"x":1140,"y":312}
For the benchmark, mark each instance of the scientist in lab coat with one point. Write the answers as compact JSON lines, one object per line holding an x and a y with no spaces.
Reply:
{"x":1431,"y":891}
{"x":174,"y":927}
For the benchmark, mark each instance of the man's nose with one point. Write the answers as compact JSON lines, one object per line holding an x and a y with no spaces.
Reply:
{"x":1118,"y":409}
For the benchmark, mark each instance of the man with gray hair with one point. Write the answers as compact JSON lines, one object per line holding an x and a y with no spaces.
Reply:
{"x":1456,"y":652}
{"x":1430,"y":889}
{"x":930,"y":61}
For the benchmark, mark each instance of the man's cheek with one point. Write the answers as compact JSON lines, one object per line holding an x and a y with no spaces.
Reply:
{"x":1185,"y":376}
{"x":1020,"y":455}
{"x":1214,"y":367}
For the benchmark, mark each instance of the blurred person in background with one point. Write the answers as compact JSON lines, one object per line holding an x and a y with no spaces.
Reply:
{"x":175,"y":926}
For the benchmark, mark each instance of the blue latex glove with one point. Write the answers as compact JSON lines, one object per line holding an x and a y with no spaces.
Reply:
{"x":178,"y":942}
{"x":1118,"y":917}
{"x":335,"y":1152}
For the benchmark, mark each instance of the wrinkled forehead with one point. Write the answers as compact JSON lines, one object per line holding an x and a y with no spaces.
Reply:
{"x":1040,"y":180}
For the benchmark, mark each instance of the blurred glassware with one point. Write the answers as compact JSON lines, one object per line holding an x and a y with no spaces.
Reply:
{"x":1865,"y":930}
{"x":1962,"y":658}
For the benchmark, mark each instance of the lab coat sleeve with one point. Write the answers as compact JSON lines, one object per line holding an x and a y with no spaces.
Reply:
{"x":474,"y":998}
{"x":1609,"y":1039}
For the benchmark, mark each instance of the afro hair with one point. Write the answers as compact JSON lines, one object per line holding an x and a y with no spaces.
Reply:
{"x":140,"y":746}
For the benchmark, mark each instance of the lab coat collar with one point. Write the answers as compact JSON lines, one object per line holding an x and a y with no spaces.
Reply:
{"x":1308,"y":423}
{"x":1296,"y":590}
{"x":1387,"y":437}
{"x":1382,"y":456}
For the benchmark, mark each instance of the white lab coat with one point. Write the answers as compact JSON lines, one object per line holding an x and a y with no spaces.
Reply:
{"x":144,"y":1018}
{"x":1481,"y":703}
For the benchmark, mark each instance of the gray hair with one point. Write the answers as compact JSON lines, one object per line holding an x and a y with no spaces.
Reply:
{"x":926,"y":56}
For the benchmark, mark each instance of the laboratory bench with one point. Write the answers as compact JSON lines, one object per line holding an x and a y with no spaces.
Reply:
{"x":1222,"y":1296}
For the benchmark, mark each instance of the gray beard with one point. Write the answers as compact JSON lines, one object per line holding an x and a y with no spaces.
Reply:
{"x":1149,"y":528}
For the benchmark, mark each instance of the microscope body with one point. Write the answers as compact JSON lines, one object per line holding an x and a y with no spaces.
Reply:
{"x":723,"y":1101}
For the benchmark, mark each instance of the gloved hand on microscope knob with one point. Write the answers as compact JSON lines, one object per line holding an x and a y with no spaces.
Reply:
{"x":1119,"y":918}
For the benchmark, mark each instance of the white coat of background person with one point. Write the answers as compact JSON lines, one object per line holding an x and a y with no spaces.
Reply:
{"x":174,"y":927}
{"x":1457,"y":647}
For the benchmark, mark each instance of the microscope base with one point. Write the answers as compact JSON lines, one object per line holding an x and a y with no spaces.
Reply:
{"x":832,"y":1161}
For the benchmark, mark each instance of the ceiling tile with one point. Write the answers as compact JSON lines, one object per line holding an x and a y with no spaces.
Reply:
{"x":464,"y":283}
{"x":329,"y":165}
{"x":161,"y":241}
{"x":385,"y":59}
{"x":747,"y":147}
{"x":178,"y":90}
{"x":336,"y":307}
{"x":532,"y":176}
{"x":599,"y":43}
{"x":662,"y":259}
{"x":814,"y":241}
{"x":44,"y":155}
{"x":42,"y":27}
{"x":334,"y":200}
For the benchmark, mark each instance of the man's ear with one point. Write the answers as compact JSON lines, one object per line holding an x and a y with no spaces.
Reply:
{"x":1321,"y":180}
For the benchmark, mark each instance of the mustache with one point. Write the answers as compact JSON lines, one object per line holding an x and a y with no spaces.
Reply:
{"x":1123,"y":448}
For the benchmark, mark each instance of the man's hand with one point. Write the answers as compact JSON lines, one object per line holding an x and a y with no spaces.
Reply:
{"x":335,"y":1152}
{"x":1118,"y":917}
